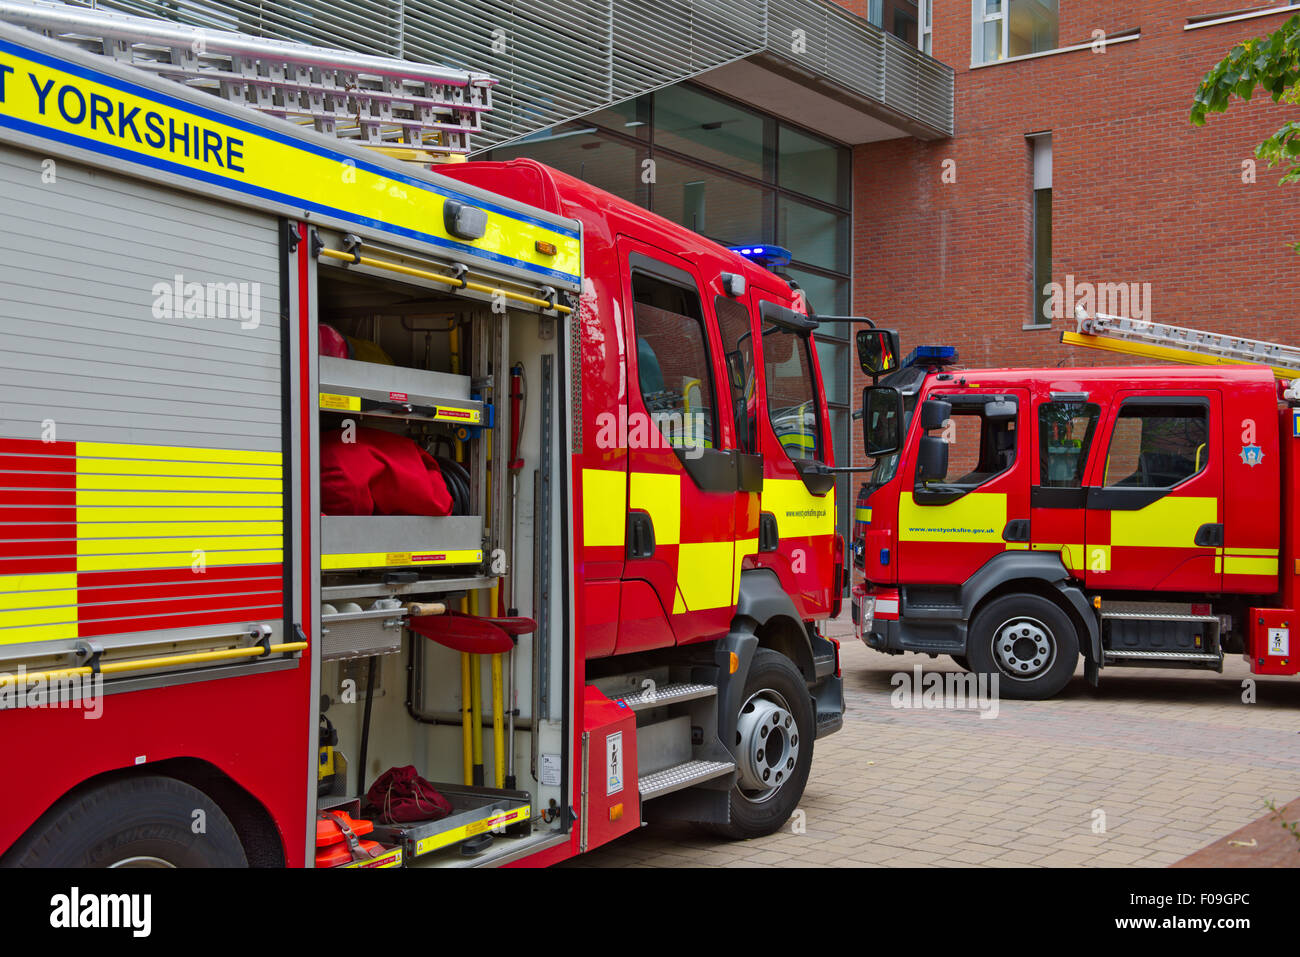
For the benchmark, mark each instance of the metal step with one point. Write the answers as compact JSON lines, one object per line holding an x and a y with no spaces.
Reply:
{"x":667,"y":694}
{"x":1148,"y":616}
{"x":1163,"y":655}
{"x":685,"y":775}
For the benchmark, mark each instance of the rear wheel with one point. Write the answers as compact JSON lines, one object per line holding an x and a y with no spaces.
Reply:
{"x":961,"y":662}
{"x":1028,"y":642}
{"x":773,"y":747}
{"x":149,"y":821}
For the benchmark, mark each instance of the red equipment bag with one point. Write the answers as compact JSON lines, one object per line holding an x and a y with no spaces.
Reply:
{"x":401,"y":796}
{"x":478,"y":636}
{"x":380,"y":473}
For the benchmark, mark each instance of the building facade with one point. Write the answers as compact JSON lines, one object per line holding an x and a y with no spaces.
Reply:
{"x":1073,"y":162}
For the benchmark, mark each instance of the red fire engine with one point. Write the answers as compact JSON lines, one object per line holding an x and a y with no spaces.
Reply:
{"x":216,"y":634}
{"x":1017,"y":519}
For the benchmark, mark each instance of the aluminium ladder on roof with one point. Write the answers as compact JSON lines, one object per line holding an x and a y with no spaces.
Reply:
{"x":376,"y":101}
{"x":1180,"y":344}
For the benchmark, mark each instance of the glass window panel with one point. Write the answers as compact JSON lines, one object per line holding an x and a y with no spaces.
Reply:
{"x":791,"y":399}
{"x":631,"y":117}
{"x":1042,"y":254}
{"x":727,"y":210}
{"x":814,"y":236}
{"x":832,"y":357}
{"x":710,"y":130}
{"x":738,"y":351}
{"x":824,"y":294}
{"x":593,"y":157}
{"x":1156,"y":446}
{"x":812,"y":166}
{"x":1032,"y":26}
{"x":673,"y":361}
{"x":992,"y":40}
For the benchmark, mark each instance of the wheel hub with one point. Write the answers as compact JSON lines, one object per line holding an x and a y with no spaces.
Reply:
{"x":767,"y":740}
{"x":1023,"y":647}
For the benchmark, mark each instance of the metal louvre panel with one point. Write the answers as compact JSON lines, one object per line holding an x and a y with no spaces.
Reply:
{"x":88,"y":341}
{"x":565,"y":58}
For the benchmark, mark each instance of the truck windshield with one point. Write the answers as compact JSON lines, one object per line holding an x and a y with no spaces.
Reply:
{"x":908,"y":382}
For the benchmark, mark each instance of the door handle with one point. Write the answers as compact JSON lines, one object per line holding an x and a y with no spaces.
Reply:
{"x":1209,"y":535}
{"x":1017,"y":530}
{"x":769,"y":538}
{"x":640,"y":535}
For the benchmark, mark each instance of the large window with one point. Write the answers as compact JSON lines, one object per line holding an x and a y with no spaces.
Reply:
{"x":1157,"y":445}
{"x":980,"y":445}
{"x":1010,"y":28}
{"x":791,"y":401}
{"x":673,"y":361}
{"x":1065,"y":431}
{"x":1041,"y":146}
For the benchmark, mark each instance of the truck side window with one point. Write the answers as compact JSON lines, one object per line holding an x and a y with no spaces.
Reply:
{"x":791,"y":397}
{"x":1157,"y":446}
{"x":980,"y":447}
{"x":1065,"y":432}
{"x":738,"y":346}
{"x":673,"y":361}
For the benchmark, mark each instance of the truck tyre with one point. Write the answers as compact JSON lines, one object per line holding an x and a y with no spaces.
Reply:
{"x":960,"y":661}
{"x":773,"y":747}
{"x":147,"y":821}
{"x":1028,"y":642}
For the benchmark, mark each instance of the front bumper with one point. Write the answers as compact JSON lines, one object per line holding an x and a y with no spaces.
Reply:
{"x":875,"y":617}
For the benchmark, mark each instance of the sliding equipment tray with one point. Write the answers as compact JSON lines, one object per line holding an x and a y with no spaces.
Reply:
{"x":399,"y":541}
{"x":371,"y":388}
{"x":474,"y":811}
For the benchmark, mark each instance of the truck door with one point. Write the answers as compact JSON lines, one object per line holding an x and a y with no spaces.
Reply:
{"x":682,"y":485}
{"x":951,"y":525}
{"x":797,"y":533}
{"x":1155,"y":501}
{"x":1065,"y":435}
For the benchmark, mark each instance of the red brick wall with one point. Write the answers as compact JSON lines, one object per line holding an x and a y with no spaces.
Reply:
{"x":1139,"y":195}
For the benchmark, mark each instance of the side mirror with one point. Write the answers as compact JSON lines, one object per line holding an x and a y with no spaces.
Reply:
{"x":882,"y":420}
{"x":934,"y":413}
{"x":931,"y":460}
{"x":877,"y":351}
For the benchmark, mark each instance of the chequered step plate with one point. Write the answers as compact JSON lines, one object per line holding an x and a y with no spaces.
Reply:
{"x":681,"y":776}
{"x":662,"y":695}
{"x":1165,"y":655}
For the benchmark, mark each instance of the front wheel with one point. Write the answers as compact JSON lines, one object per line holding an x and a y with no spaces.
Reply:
{"x":147,"y":821}
{"x":1028,"y":642}
{"x":773,"y":747}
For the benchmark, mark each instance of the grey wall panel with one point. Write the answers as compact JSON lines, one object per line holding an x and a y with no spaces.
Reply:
{"x":87,"y":264}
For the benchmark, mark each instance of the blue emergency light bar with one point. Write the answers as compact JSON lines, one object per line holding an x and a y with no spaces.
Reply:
{"x":931,"y":356}
{"x":768,"y":256}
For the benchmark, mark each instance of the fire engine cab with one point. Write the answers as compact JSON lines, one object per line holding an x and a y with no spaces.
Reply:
{"x":1018,"y":519}
{"x":372,"y":508}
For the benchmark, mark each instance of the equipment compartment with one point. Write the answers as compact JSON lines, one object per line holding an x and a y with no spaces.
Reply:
{"x":475,"y":811}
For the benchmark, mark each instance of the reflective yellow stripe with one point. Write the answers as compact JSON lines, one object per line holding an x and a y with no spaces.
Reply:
{"x":56,"y":632}
{"x":798,"y":511}
{"x":975,"y":517}
{"x":445,"y":838}
{"x":175,"y":453}
{"x":1234,"y":550}
{"x":1243,"y":565}
{"x":136,"y":546}
{"x":1017,"y":546}
{"x":99,"y":563}
{"x":21,"y":583}
{"x":744,"y":548}
{"x":145,"y":513}
{"x":1071,"y":555}
{"x":175,"y":529}
{"x":1169,"y":522}
{"x":174,"y":483}
{"x":431,"y":556}
{"x":862,"y":514}
{"x":91,"y":466}
{"x":661,"y":496}
{"x":92,"y":498}
{"x":23,"y":617}
{"x":704,"y":574}
{"x":604,"y":506}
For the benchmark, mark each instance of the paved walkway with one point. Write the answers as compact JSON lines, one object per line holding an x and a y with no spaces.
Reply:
{"x":1144,"y":771}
